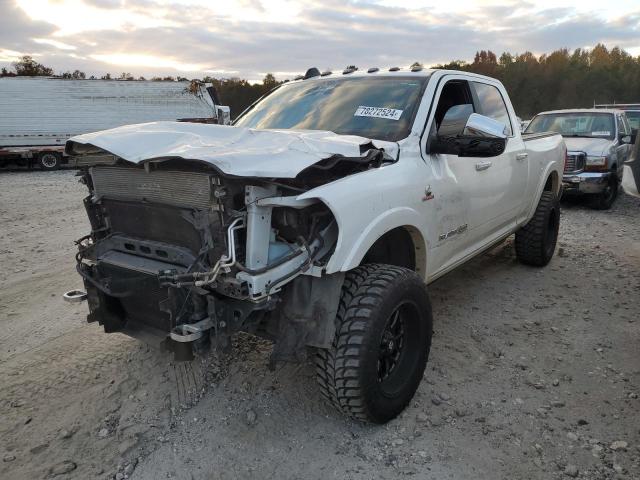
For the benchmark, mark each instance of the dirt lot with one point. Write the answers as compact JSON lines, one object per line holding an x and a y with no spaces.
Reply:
{"x":534,"y":374}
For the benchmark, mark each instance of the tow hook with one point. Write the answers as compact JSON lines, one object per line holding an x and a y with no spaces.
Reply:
{"x":74,"y":296}
{"x":190,"y":332}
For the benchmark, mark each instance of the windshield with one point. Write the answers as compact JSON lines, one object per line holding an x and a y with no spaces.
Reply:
{"x":575,"y":124}
{"x":634,"y":119}
{"x":381,"y":108}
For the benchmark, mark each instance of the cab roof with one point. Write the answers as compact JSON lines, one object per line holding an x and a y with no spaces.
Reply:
{"x":386,"y":72}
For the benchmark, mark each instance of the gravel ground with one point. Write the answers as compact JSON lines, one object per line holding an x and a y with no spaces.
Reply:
{"x":534,"y":373}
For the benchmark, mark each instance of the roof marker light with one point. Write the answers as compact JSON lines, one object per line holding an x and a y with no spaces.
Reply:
{"x":373,"y":70}
{"x":312,"y":72}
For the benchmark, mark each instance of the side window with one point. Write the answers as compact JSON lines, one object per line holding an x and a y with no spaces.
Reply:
{"x":491,"y":104}
{"x":627,"y":124}
{"x":455,"y":92}
{"x":622,"y":128}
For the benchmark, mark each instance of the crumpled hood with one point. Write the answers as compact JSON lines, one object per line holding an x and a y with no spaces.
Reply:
{"x":591,"y":146}
{"x":235,"y":151}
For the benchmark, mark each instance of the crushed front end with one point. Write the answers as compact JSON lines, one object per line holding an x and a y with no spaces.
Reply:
{"x":180,"y":256}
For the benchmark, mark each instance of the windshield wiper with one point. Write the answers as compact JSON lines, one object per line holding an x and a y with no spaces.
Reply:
{"x":580,"y":136}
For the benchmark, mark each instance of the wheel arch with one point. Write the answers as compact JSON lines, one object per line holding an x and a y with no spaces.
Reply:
{"x":399,"y":224}
{"x":550,"y":181}
{"x":401,"y":246}
{"x":552,"y":184}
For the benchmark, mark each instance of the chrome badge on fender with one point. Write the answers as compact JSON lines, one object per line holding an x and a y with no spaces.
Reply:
{"x":455,"y":231}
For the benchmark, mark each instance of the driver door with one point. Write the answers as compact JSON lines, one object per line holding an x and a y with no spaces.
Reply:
{"x":455,"y":186}
{"x":478,"y":199}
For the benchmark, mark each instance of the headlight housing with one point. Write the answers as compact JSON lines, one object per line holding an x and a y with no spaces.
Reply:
{"x":596,"y":161}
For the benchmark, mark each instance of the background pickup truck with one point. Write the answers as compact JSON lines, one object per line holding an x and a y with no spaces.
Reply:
{"x":315,"y":221}
{"x":599,"y":142}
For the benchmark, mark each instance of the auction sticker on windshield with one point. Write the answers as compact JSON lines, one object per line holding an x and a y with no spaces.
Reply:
{"x":378,"y":112}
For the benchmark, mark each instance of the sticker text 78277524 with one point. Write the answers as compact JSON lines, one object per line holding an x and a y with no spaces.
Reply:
{"x":378,"y":112}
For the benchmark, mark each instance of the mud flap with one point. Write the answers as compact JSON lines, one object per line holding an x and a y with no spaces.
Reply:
{"x":306,"y":316}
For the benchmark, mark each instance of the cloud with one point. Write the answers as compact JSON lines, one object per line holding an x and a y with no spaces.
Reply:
{"x":54,"y":43}
{"x":17,"y":29}
{"x":105,"y":3}
{"x":191,"y":37}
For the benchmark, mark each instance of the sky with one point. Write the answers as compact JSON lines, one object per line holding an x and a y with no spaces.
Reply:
{"x":249,"y":38}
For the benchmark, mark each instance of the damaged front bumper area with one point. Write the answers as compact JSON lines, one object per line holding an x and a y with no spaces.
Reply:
{"x":180,"y":256}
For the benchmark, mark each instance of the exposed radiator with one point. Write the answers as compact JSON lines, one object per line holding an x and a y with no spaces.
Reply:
{"x":184,"y":189}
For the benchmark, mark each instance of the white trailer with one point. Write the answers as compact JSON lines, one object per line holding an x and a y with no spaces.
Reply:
{"x":39,"y":114}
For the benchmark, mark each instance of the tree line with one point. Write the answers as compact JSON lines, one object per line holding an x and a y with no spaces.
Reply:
{"x":560,"y":79}
{"x":27,"y":66}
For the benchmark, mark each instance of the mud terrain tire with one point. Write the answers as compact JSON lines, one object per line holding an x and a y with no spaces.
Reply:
{"x":536,"y":241}
{"x":381,"y":346}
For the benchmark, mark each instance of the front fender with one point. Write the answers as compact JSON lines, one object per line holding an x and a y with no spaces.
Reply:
{"x":352,"y":252}
{"x":364,"y":214}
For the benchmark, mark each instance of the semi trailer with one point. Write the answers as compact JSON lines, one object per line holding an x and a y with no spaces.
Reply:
{"x":39,"y":114}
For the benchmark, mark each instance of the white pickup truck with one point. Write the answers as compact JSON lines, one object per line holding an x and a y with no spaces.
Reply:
{"x":317,"y":221}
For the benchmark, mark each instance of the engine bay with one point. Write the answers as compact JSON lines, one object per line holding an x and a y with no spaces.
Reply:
{"x":179,"y":254}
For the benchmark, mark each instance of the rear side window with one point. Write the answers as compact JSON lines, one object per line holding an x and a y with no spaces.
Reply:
{"x":491,"y":104}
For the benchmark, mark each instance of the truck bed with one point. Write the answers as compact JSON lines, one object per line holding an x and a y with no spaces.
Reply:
{"x":535,"y":136}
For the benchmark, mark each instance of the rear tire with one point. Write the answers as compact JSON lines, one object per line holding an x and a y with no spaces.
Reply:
{"x":536,"y":241}
{"x":381,"y":346}
{"x":49,"y":160}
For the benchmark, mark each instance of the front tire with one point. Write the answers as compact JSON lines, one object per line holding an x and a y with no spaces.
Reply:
{"x":536,"y":241}
{"x":381,"y":346}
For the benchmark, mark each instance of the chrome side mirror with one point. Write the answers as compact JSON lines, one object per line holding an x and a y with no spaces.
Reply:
{"x":468,"y":134}
{"x":224,"y":115}
{"x":480,"y":126}
{"x":625,"y":139}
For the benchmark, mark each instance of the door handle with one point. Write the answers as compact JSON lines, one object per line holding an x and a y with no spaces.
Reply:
{"x":522,"y":156}
{"x":482,"y":166}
